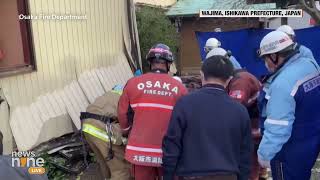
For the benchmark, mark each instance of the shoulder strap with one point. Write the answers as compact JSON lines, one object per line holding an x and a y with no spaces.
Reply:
{"x":87,"y":115}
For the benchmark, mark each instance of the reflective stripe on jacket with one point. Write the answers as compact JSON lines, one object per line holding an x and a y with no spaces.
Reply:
{"x":291,"y":108}
{"x":152,"y":97}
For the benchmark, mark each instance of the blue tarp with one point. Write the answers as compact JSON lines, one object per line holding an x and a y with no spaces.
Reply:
{"x":245,"y":43}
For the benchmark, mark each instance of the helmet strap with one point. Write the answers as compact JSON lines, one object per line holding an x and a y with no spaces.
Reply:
{"x":274,"y":60}
{"x":168,"y":66}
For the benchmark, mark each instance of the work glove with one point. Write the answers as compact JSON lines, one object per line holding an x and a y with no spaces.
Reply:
{"x":264,"y":163}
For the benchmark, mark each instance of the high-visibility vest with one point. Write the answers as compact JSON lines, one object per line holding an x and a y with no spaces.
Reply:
{"x":102,"y":134}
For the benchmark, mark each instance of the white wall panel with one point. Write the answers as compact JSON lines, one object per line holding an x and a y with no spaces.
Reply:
{"x":44,"y":102}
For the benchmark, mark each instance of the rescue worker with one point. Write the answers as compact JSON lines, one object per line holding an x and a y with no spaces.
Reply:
{"x":244,"y":87}
{"x":212,"y":43}
{"x":290,"y":142}
{"x":99,"y":131}
{"x":209,"y":135}
{"x":290,"y":32}
{"x":306,"y":52}
{"x":152,"y":97}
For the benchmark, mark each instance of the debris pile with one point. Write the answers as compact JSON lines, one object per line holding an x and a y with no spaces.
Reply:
{"x":192,"y":82}
{"x":65,"y":157}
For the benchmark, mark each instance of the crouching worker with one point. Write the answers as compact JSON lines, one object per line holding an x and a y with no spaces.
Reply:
{"x":103,"y":134}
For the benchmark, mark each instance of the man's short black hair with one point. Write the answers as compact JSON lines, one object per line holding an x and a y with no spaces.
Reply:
{"x":217,"y":67}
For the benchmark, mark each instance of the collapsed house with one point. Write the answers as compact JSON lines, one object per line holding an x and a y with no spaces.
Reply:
{"x":51,"y":69}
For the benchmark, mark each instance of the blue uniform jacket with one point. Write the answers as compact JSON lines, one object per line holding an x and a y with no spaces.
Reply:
{"x":306,"y":52}
{"x":235,"y":63}
{"x":291,"y":107}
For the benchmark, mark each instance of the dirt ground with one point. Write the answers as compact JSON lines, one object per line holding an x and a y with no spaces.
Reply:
{"x":91,"y":173}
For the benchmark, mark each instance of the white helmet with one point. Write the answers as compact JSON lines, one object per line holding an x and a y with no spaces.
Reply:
{"x":211,"y":43}
{"x":217,"y":52}
{"x":274,"y":42}
{"x":286,"y":29}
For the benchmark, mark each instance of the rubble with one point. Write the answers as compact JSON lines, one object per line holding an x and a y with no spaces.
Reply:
{"x":64,"y":156}
{"x":192,"y":82}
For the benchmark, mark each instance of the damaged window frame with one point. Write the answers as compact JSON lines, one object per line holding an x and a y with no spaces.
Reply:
{"x":27,"y":63}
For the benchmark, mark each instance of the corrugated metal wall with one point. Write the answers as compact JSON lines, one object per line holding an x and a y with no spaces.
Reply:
{"x":68,"y":46}
{"x":87,"y":55}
